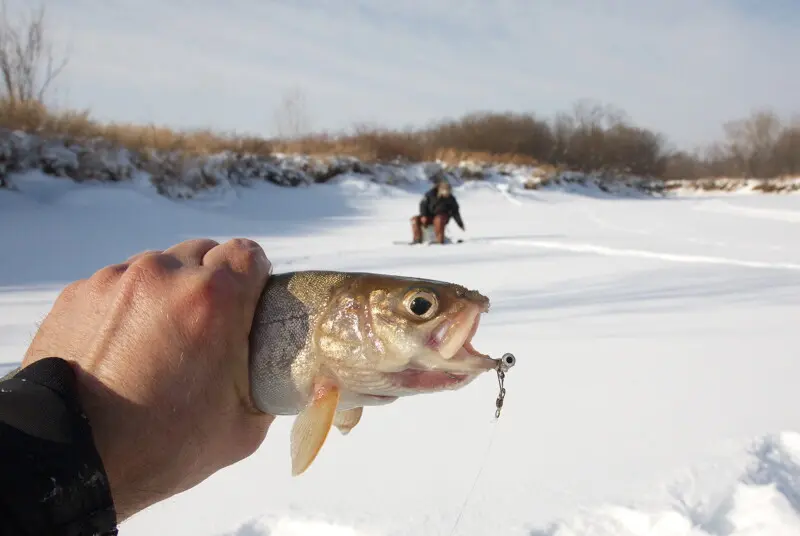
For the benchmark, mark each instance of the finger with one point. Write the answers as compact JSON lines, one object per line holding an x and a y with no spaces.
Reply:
{"x":248,"y":264}
{"x":192,"y":252}
{"x":142,"y":254}
{"x":105,"y":278}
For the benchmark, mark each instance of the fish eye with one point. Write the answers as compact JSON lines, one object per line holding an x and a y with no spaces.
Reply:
{"x":422,"y":304}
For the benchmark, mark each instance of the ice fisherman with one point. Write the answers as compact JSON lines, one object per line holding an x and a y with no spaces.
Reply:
{"x":436,"y":208}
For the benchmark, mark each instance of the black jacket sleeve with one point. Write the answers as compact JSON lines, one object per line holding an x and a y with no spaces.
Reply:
{"x":456,"y":212}
{"x":52,"y":480}
{"x":423,"y":207}
{"x":425,"y":204}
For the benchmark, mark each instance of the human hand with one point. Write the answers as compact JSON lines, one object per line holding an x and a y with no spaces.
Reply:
{"x":160,"y":349}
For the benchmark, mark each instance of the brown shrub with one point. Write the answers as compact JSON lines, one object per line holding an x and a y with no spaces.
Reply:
{"x":369,"y":144}
{"x":34,"y":117}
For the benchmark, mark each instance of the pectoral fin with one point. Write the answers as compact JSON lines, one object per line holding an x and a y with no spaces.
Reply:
{"x":311,"y":427}
{"x":346,"y":420}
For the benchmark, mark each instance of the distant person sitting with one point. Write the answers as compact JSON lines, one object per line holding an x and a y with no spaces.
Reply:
{"x":436,"y":208}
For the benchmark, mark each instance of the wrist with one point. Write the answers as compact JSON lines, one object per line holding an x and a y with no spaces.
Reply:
{"x":125,"y":460}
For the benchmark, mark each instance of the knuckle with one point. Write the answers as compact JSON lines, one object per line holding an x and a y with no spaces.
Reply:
{"x":196,"y":246}
{"x":142,"y":254}
{"x":146,"y":267}
{"x":206,"y":242}
{"x":105,"y":278}
{"x":243,"y":243}
{"x":194,"y":249}
{"x":71,"y":291}
{"x":141,"y":274}
{"x":245,"y":253}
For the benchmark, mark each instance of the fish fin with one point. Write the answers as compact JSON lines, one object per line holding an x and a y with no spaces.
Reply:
{"x":312,"y":425}
{"x":347,"y":420}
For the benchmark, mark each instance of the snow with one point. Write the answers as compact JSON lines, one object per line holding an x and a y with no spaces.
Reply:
{"x":655,"y":390}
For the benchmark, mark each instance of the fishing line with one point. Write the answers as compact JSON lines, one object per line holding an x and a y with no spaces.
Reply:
{"x":503,"y":364}
{"x":477,"y":477}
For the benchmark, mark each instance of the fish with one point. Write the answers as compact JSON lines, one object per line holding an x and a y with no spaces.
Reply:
{"x":325,"y":344}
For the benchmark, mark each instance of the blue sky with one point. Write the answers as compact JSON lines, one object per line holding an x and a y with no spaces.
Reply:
{"x":681,"y":67}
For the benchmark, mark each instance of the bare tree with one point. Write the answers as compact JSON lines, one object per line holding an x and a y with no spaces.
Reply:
{"x":27,"y":63}
{"x":594,"y":115}
{"x":291,"y":116}
{"x":751,"y":142}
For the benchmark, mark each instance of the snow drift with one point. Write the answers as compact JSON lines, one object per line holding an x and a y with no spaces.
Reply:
{"x":754,"y":491}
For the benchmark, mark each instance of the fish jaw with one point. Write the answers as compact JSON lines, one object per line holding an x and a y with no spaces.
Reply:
{"x":429,"y":381}
{"x":452,"y":339}
{"x":450,"y":360}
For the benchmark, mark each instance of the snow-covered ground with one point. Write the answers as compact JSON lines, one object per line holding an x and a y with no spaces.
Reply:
{"x":657,"y":384}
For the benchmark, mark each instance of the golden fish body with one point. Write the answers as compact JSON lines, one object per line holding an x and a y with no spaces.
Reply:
{"x":326,"y":344}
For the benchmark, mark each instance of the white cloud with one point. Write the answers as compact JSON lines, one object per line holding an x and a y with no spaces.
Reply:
{"x":679,"y":66}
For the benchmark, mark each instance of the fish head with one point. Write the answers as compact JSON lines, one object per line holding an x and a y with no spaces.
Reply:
{"x":398,"y":336}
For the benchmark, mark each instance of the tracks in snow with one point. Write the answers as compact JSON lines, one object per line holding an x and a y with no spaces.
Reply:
{"x":576,"y":247}
{"x":721,"y":207}
{"x":787,"y":216}
{"x":645,"y":254}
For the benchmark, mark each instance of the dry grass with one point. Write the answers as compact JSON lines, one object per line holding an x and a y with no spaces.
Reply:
{"x":452,"y":156}
{"x":33,"y":117}
{"x":368,"y":145}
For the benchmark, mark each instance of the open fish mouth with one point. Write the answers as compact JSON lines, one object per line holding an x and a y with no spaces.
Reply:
{"x":460,"y":362}
{"x":452,"y":339}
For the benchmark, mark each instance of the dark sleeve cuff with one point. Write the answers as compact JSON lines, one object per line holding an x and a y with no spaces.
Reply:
{"x":53,"y":480}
